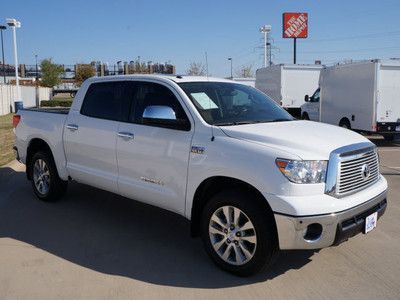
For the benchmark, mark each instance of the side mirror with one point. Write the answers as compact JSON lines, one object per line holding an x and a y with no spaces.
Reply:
{"x":159,"y":112}
{"x":306,"y":98}
{"x":164,"y":116}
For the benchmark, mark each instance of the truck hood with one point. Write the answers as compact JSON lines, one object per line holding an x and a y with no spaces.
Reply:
{"x":305,"y":139}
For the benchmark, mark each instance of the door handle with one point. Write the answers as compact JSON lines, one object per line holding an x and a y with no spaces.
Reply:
{"x":126,"y":135}
{"x":72,"y":127}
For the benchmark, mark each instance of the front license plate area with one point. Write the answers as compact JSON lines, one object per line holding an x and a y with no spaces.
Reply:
{"x":370,"y":222}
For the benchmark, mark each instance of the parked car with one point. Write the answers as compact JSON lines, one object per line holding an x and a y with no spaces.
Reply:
{"x":362,"y":96}
{"x":287,"y":84}
{"x":249,"y":177}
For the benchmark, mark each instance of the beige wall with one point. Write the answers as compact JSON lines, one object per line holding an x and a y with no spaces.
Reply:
{"x":8,"y":94}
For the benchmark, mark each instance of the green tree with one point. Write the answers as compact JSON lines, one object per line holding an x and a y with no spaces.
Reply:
{"x":83,"y":72}
{"x":51,"y":73}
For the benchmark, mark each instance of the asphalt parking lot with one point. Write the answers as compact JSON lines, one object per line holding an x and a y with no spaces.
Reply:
{"x":93,"y":244}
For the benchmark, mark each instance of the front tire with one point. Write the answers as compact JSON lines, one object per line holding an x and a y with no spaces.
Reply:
{"x":46,"y":183}
{"x":238,"y":232}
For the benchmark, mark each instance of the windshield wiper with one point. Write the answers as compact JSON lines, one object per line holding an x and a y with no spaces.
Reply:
{"x":236,"y":123}
{"x":279,"y":120}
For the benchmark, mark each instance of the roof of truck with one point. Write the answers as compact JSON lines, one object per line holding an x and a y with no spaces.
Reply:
{"x":175,"y":78}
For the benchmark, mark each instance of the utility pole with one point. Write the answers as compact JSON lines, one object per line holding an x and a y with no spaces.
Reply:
{"x":206,"y":64}
{"x":266,"y":29}
{"x":230,"y":58}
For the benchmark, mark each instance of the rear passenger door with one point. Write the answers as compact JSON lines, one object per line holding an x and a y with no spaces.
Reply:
{"x":153,"y":159}
{"x":90,"y":135}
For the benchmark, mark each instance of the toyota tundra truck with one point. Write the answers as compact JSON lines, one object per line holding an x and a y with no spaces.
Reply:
{"x":250,"y":178}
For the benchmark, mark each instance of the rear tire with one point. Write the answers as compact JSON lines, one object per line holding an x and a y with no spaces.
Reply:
{"x":245,"y":244}
{"x":46,"y":183}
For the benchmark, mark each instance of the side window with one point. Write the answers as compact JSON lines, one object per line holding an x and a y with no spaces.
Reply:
{"x":315,"y":97}
{"x":106,"y":100}
{"x":150,"y":94}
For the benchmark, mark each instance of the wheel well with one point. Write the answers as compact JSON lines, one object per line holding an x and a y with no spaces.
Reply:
{"x":304,"y":115}
{"x":210,"y":187}
{"x":35,"y":145}
{"x":345,"y":121}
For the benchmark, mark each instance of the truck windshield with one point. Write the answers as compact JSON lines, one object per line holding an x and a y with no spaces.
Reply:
{"x":225,"y":103}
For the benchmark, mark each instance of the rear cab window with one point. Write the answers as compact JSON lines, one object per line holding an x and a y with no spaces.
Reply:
{"x":107,"y":100}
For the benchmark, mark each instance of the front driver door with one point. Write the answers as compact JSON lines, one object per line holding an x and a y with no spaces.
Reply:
{"x":153,"y":160}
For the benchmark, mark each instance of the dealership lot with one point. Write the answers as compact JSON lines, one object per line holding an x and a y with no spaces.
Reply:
{"x":93,"y":244}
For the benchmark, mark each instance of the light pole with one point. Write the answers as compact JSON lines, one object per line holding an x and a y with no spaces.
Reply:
{"x":230,"y":58}
{"x":2,"y":27}
{"x":37,"y":83}
{"x":13,"y":23}
{"x":266,"y":29}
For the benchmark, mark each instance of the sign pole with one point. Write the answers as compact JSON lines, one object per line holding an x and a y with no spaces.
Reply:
{"x":294,"y":50}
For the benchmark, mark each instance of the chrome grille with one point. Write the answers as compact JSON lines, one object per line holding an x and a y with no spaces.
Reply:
{"x":357,"y":172}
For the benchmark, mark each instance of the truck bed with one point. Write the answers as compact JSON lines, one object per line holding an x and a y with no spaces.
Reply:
{"x":54,"y":110}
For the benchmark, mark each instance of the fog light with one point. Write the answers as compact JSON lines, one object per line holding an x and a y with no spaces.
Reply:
{"x":313,"y":232}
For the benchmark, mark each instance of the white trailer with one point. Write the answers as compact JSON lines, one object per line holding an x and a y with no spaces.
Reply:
{"x":250,"y":81}
{"x":363,"y":96}
{"x":287,"y":84}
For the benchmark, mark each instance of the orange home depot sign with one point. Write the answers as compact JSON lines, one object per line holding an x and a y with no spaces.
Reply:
{"x":295,"y":25}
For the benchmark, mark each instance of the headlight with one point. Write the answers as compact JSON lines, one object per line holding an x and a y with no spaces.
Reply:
{"x":303,"y":171}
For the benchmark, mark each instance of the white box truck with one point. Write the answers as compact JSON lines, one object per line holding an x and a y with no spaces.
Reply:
{"x":363,"y":96}
{"x":287,"y":84}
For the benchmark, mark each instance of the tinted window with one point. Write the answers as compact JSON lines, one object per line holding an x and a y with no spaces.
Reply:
{"x":223,"y":103}
{"x":148,"y":94}
{"x":106,"y":100}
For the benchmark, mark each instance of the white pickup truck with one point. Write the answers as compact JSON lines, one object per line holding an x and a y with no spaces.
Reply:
{"x":251,"y":179}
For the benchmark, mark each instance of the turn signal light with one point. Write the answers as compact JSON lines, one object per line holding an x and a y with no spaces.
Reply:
{"x":15,"y":120}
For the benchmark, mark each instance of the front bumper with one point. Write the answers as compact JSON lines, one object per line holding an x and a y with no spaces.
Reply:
{"x":388,"y":127}
{"x":335,"y":227}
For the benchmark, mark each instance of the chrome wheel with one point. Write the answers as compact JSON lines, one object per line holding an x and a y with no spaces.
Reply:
{"x":41,"y":176}
{"x":232,"y":235}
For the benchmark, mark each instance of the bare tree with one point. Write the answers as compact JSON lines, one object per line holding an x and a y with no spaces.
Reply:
{"x":196,"y":69}
{"x":83,"y":72}
{"x":245,"y":71}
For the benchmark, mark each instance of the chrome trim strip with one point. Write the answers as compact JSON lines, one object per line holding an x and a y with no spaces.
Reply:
{"x":72,"y":127}
{"x":125,"y":135}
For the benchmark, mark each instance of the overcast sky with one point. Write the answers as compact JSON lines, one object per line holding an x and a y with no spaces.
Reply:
{"x":181,"y":31}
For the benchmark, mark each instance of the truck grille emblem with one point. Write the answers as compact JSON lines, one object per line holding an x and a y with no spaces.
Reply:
{"x":366,"y":171}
